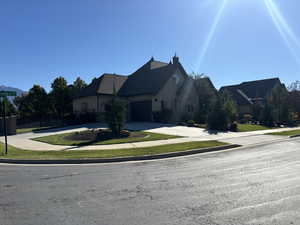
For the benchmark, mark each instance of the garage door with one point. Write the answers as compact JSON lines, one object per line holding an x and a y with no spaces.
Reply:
{"x":141,"y":111}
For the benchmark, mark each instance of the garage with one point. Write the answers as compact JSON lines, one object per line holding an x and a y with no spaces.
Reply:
{"x":141,"y":111}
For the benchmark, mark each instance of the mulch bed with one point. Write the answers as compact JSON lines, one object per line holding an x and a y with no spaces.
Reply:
{"x":100,"y":135}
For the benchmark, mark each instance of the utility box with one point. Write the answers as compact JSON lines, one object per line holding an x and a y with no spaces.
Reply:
{"x":11,"y":125}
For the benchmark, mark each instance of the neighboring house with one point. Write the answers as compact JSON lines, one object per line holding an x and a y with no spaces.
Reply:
{"x":157,"y":91}
{"x":249,"y":93}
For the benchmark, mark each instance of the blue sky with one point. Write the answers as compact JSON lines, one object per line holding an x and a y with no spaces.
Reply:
{"x":251,"y":39}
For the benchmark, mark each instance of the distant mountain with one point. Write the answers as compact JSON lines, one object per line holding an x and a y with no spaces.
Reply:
{"x":5,"y":88}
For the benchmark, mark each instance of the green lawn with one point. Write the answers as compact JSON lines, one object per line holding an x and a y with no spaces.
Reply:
{"x":31,"y":129}
{"x":286,"y":133}
{"x":15,"y":153}
{"x":251,"y":127}
{"x":60,"y":139}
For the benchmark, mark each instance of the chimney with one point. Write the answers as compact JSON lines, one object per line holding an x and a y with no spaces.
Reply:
{"x":175,"y":60}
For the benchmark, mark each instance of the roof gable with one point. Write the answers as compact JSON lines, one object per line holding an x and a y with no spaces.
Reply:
{"x":105,"y":84}
{"x":244,"y":93}
{"x":150,"y":78}
{"x":146,"y":81}
{"x":111,"y":83}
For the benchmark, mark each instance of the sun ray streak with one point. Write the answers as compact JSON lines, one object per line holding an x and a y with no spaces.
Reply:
{"x":283,"y":28}
{"x":211,"y":33}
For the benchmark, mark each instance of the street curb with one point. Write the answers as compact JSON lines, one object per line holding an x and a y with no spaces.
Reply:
{"x":120,"y":159}
{"x":294,"y":136}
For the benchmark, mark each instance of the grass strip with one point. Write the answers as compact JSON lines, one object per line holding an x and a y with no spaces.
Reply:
{"x":286,"y":133}
{"x":33,"y":129}
{"x":251,"y":127}
{"x":14,"y":153}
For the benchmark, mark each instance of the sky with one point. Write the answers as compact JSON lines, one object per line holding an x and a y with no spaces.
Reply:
{"x":230,"y":41}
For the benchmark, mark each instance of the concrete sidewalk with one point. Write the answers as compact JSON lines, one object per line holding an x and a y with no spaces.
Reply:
{"x":23,"y":141}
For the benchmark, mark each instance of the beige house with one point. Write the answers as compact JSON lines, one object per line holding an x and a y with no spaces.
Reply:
{"x":157,"y":91}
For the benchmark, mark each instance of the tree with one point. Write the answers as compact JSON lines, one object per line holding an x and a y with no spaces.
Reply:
{"x":61,"y":97}
{"x":229,"y":106}
{"x":267,"y":117}
{"x":294,"y":102}
{"x":278,"y":100}
{"x":23,"y":106}
{"x":206,"y":95}
{"x":79,"y":83}
{"x":218,"y":118}
{"x":115,"y":116}
{"x":77,"y":86}
{"x":39,"y":103}
{"x":9,"y":108}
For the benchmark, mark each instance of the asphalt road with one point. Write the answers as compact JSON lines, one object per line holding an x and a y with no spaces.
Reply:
{"x":259,"y":185}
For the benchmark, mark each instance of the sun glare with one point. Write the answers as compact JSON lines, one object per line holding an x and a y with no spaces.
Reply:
{"x":211,"y":34}
{"x":283,"y":28}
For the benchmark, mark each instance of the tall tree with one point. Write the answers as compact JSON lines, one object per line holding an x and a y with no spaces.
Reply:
{"x":61,"y":97}
{"x":206,"y":95}
{"x":77,"y":86}
{"x":79,"y":83}
{"x":267,"y":117}
{"x":229,"y":106}
{"x":24,"y":106}
{"x":39,"y":102}
{"x":218,"y":118}
{"x":279,"y":103}
{"x":9,"y":108}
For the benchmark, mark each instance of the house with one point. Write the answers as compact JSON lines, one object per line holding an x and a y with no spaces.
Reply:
{"x":157,"y":91}
{"x":249,"y":93}
{"x":95,"y":96}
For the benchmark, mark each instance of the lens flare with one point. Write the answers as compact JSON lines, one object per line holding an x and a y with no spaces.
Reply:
{"x":283,"y":28}
{"x":211,"y":33}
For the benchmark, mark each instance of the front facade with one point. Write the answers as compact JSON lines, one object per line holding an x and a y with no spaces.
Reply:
{"x":95,"y":96}
{"x":158,"y":91}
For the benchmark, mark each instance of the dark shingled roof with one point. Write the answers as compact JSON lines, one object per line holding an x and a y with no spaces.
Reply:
{"x":103,"y":85}
{"x":150,"y":78}
{"x":243,"y":93}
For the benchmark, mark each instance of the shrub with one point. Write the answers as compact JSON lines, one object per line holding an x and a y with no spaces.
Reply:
{"x":181,"y":124}
{"x":217,"y":118}
{"x":190,"y":123}
{"x":115,"y":116}
{"x":233,"y":127}
{"x":246,"y":118}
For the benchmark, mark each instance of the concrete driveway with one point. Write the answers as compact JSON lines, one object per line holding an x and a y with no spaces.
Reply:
{"x":24,"y":141}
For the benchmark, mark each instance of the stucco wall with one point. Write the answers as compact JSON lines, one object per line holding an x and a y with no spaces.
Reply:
{"x":179,"y":95}
{"x":91,"y":104}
